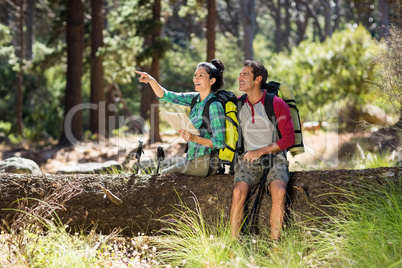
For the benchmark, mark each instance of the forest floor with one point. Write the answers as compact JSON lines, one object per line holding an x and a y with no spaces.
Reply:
{"x":323,"y":151}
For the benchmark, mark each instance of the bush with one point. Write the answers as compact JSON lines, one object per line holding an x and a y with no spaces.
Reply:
{"x":341,"y":68}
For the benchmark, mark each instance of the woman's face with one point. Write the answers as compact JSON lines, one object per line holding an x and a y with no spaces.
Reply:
{"x":201,"y":80}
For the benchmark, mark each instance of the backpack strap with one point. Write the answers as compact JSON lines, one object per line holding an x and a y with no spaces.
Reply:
{"x":206,"y":123}
{"x":205,"y":112}
{"x":269,"y":110}
{"x":240,"y":141}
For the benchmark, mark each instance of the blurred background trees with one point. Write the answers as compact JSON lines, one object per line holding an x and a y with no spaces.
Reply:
{"x":57,"y":54}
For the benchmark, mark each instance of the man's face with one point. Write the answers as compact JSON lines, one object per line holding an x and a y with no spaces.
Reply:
{"x":246,"y":81}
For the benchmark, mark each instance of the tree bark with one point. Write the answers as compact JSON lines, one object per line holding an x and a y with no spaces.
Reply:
{"x":211,"y":31}
{"x":20,"y":52}
{"x":149,"y":101}
{"x":147,"y":199}
{"x":98,"y":119}
{"x":384,"y":18}
{"x":337,"y":14}
{"x":286,"y":22}
{"x":231,"y":22}
{"x":72,"y":127}
{"x":29,"y":28}
{"x":328,"y":11}
{"x":248,"y":18}
{"x":275,"y":11}
{"x":302,"y":22}
{"x":111,"y":110}
{"x":314,"y":15}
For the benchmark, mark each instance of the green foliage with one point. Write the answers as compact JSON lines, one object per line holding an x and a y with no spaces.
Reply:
{"x":38,"y":238}
{"x":371,"y":224}
{"x":122,"y":44}
{"x":178,"y":67}
{"x":125,"y":49}
{"x":191,"y":242}
{"x":193,"y":7}
{"x":367,"y":233}
{"x":232,"y":57}
{"x":7,"y":75}
{"x":5,"y":127}
{"x":341,"y":68}
{"x":43,"y":84}
{"x":389,"y":74}
{"x":374,"y":159}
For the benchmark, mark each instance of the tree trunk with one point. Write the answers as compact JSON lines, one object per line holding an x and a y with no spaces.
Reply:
{"x":154,"y":116}
{"x":248,"y":18}
{"x":155,"y":67}
{"x":314,"y":15}
{"x":4,"y":13}
{"x":231,"y":23}
{"x":111,"y":109}
{"x":211,"y":31}
{"x":98,"y":119}
{"x":327,"y":17}
{"x":286,"y":22}
{"x":149,"y":198}
{"x":275,"y":11}
{"x":301,"y":22}
{"x":29,"y":26}
{"x":149,"y":101}
{"x":384,"y":18}
{"x":146,"y":93}
{"x":20,"y":52}
{"x":72,"y":127}
{"x":337,"y":14}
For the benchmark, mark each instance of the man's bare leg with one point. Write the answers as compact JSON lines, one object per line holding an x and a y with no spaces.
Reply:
{"x":239,"y":196}
{"x":277,"y":189}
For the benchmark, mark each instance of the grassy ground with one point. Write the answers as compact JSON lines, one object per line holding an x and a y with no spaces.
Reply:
{"x":366,"y":233}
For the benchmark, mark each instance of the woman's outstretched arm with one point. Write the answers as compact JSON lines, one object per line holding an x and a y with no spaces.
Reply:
{"x":146,"y":78}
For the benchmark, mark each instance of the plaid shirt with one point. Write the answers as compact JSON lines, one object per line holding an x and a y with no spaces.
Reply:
{"x":216,"y":117}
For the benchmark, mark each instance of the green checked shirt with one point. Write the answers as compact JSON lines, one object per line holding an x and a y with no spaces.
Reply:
{"x":216,"y":117}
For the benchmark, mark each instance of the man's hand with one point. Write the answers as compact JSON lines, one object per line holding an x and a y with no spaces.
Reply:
{"x":256,"y":154}
{"x":253,"y":155}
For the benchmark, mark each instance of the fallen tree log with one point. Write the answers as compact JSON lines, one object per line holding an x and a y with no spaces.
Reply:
{"x":136,"y":203}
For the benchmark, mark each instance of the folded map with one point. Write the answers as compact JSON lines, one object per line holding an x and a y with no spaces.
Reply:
{"x":179,"y":121}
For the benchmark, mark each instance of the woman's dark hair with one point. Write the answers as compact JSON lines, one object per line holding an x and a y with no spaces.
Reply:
{"x":215,"y":70}
{"x":258,"y":69}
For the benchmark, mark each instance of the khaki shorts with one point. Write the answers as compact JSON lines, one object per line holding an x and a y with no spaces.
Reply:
{"x":195,"y":167}
{"x":251,"y":172}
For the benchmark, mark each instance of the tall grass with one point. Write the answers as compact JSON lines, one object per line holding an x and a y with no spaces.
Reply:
{"x":190,"y":242}
{"x":43,"y":241}
{"x":372,"y":224}
{"x":367,"y":232}
{"x":37,"y":237}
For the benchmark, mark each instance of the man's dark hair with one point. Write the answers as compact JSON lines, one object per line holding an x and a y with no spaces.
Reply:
{"x":258,"y":69}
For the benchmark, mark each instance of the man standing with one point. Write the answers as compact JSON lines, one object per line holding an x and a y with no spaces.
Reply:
{"x":260,"y":138}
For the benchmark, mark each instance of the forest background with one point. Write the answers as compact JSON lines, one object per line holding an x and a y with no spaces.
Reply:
{"x":61,"y":56}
